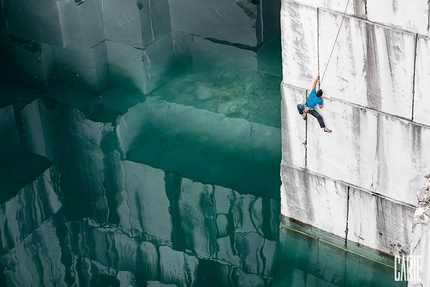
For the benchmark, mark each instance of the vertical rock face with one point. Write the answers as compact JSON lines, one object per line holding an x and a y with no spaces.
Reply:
{"x":233,"y":21}
{"x":373,"y":84}
{"x":9,"y":141}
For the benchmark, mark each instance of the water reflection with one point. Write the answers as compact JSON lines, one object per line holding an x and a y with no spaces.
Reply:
{"x":91,"y":211}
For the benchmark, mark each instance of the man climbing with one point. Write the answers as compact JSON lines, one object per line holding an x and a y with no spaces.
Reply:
{"x":315,"y":98}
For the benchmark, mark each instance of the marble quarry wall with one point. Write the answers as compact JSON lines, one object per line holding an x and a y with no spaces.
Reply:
{"x":92,"y":44}
{"x":359,"y":182}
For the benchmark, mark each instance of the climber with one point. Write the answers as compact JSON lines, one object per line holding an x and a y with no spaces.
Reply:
{"x":315,"y":98}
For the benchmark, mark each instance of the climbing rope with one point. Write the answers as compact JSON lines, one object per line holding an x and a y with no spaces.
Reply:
{"x":335,"y":40}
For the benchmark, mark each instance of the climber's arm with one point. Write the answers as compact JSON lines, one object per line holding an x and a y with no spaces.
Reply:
{"x":314,"y":85}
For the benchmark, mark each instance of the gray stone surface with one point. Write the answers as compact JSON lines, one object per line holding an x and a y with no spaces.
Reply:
{"x":228,"y":20}
{"x":137,"y":70}
{"x":42,"y":21}
{"x":314,"y":200}
{"x":84,"y":69}
{"x":379,"y":223}
{"x":421,"y":101}
{"x":28,"y":62}
{"x":9,"y":142}
{"x":123,"y":21}
{"x":374,"y":93}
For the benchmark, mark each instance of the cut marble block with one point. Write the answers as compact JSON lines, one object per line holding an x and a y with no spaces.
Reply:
{"x":379,"y":223}
{"x":9,"y":141}
{"x":384,"y":154}
{"x":232,"y":21}
{"x":293,"y":126}
{"x":314,"y":200}
{"x":299,"y":34}
{"x":135,"y":23}
{"x":28,"y":62}
{"x":123,"y":22}
{"x":207,"y":55}
{"x":356,"y":8}
{"x":422,"y":86}
{"x":379,"y":76}
{"x":81,"y":25}
{"x":57,"y":23}
{"x":137,"y":70}
{"x":409,"y":15}
{"x":160,"y":17}
{"x":42,"y":20}
{"x":85,"y":69}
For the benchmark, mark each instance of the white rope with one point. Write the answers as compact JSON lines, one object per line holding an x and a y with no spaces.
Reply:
{"x":335,"y":40}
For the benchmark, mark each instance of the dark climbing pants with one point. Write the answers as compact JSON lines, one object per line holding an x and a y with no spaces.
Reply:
{"x":313,"y":112}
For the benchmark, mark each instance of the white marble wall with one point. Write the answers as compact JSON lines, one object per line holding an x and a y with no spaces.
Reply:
{"x":375,"y":86}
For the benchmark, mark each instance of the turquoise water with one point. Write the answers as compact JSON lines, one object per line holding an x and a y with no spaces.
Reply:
{"x":175,"y":187}
{"x":159,"y":190}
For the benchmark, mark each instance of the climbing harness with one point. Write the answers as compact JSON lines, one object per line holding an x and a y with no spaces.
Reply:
{"x":335,"y":40}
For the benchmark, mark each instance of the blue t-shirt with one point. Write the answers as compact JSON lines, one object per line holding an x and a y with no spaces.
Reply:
{"x":313,"y":100}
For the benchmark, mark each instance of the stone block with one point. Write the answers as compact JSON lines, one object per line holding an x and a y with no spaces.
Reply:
{"x":122,"y":21}
{"x":357,"y":8}
{"x":43,"y":23}
{"x":344,"y":155}
{"x":158,"y":62}
{"x":160,"y":17}
{"x":299,"y":34}
{"x":126,"y":67}
{"x":314,"y":200}
{"x":137,"y":70}
{"x":379,"y":223}
{"x":422,"y":86}
{"x":210,"y":56}
{"x":384,"y":154}
{"x":134,"y":128}
{"x":28,"y":62}
{"x":380,"y":76}
{"x":226,"y":21}
{"x":81,"y":23}
{"x":410,"y":15}
{"x":83,"y":69}
{"x":57,"y":23}
{"x":293,"y":127}
{"x":9,"y":141}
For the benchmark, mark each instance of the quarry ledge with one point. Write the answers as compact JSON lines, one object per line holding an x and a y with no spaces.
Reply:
{"x":329,"y":99}
{"x":347,"y":246}
{"x":365,"y":20}
{"x":358,"y":188}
